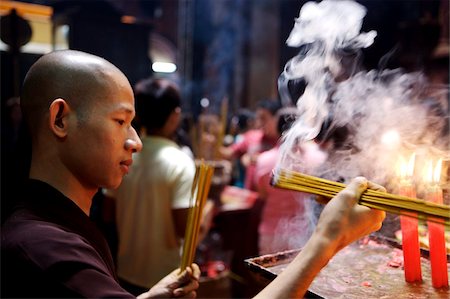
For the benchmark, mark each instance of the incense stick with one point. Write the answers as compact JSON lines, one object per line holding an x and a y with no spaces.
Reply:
{"x":397,"y":204}
{"x":222,"y":128}
{"x":199,"y":193}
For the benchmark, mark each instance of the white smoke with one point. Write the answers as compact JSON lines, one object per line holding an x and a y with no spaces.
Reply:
{"x":368,"y":104}
{"x":335,"y":23}
{"x":380,"y":114}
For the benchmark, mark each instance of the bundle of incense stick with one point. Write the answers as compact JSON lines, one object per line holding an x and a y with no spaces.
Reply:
{"x":397,"y":204}
{"x":199,"y":193}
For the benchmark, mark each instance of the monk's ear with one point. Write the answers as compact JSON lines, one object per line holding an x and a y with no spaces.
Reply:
{"x":58,"y":121}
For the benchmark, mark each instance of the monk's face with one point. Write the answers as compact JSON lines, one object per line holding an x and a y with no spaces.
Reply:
{"x":102,"y":139}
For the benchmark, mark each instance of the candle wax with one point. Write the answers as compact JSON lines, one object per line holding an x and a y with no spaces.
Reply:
{"x":438,"y":253}
{"x":410,"y":241}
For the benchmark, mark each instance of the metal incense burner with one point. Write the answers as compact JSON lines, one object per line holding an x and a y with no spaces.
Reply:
{"x":369,"y":268}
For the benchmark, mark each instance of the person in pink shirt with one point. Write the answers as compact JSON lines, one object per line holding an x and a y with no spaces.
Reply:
{"x":284,"y":214}
{"x":257,"y":140}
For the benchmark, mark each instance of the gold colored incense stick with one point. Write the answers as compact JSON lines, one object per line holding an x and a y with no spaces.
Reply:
{"x":199,"y":211}
{"x":189,"y":224}
{"x":397,"y":204}
{"x":199,"y":194}
{"x":196,"y":212}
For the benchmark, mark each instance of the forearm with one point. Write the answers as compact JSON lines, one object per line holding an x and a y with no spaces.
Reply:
{"x":341,"y":222}
{"x":295,"y":280}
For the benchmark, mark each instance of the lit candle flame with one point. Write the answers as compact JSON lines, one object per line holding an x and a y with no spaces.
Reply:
{"x":434,"y":175}
{"x":406,"y":169}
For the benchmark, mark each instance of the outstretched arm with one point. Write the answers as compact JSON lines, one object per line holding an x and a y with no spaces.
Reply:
{"x":342,"y":221}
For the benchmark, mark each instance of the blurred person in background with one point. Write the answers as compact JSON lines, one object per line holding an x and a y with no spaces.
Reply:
{"x":152,"y":202}
{"x":284,"y":223}
{"x":242,"y":122}
{"x":255,"y":141}
{"x":183,"y":137}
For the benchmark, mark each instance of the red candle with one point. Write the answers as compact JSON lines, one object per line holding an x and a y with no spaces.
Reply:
{"x":436,"y":234}
{"x":409,"y":227}
{"x":410,"y":241}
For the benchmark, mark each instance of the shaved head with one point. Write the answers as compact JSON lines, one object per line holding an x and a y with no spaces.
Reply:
{"x":77,"y":77}
{"x":79,"y":109}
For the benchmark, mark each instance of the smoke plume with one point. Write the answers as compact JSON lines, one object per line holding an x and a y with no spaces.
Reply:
{"x":352,"y":121}
{"x":369,"y":117}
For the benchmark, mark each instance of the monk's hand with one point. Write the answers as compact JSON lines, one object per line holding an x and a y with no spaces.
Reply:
{"x":343,"y":220}
{"x":176,"y":285}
